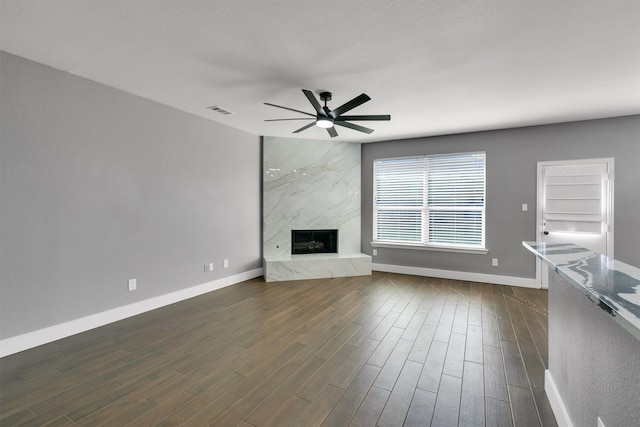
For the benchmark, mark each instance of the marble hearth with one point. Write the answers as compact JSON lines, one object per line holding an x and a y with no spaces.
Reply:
{"x":311,"y":185}
{"x":316,"y":266}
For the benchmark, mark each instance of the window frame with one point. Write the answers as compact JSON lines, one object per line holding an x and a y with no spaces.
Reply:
{"x":426,"y":242}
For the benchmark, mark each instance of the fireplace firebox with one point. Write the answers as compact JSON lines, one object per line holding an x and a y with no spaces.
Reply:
{"x":314,"y":241}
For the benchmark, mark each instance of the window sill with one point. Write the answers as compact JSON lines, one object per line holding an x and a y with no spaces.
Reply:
{"x":481,"y":251}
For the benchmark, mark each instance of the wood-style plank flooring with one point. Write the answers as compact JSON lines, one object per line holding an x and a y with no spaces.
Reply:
{"x":380,"y":350}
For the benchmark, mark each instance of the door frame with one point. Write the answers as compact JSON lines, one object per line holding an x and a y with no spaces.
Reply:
{"x":540,"y":198}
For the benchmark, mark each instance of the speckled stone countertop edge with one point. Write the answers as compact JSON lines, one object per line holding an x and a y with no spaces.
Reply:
{"x":610,"y":284}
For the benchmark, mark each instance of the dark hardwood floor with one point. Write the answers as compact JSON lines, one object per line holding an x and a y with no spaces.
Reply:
{"x":385,"y":350}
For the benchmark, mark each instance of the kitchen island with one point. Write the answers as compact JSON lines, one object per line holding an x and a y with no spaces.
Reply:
{"x":593,"y":370}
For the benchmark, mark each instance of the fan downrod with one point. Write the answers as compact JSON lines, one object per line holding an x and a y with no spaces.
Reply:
{"x":325,"y":96}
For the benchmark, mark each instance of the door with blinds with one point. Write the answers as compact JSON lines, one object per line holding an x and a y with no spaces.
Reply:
{"x":575,"y":205}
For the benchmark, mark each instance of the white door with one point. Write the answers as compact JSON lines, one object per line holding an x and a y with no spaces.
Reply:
{"x":575,"y":205}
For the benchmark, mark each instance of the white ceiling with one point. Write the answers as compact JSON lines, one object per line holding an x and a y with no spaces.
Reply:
{"x":437,"y":67}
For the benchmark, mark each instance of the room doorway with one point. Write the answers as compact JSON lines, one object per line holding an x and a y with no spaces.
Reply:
{"x":575,"y":205}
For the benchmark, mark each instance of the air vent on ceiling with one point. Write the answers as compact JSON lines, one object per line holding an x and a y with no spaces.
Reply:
{"x":220,"y":110}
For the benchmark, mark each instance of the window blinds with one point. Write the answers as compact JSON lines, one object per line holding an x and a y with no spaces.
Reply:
{"x":573,"y":198}
{"x":430,"y":201}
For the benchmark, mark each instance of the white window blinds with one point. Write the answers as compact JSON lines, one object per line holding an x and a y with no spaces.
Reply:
{"x":573,"y":197}
{"x":430,"y":201}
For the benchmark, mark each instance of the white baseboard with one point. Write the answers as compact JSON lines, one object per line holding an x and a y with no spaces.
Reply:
{"x":559,"y":410}
{"x":43,"y":336}
{"x":458,"y":275}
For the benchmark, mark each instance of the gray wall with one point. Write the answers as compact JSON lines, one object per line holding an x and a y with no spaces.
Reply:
{"x":98,"y":186}
{"x":593,"y":361}
{"x":512,"y":155}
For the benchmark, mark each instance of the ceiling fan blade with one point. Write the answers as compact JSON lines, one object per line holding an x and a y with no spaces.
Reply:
{"x":332,"y":131}
{"x":290,"y":109}
{"x":354,"y":127}
{"x":304,"y":127}
{"x":280,"y":120}
{"x":368,"y":117}
{"x":312,"y":99}
{"x":358,"y":100}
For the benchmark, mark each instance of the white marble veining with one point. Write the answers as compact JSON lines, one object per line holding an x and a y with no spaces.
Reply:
{"x":310,"y":185}
{"x":316,"y":266}
{"x":613,"y":285}
{"x":307,"y":185}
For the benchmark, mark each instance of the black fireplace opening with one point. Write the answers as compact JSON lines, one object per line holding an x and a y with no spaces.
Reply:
{"x":314,"y":241}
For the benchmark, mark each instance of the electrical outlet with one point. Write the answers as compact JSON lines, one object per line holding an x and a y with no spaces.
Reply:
{"x":226,"y":263}
{"x":494,"y":262}
{"x":375,"y":252}
{"x":133,"y":284}
{"x":525,"y":207}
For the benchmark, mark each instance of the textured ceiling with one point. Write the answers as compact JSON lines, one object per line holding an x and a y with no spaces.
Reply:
{"x":437,"y":67}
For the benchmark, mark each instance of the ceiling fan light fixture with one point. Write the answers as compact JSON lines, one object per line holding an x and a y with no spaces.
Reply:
{"x":326,"y":118}
{"x":324,"y":122}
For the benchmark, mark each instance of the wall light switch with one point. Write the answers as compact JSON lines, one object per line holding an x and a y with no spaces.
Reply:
{"x":132,"y":284}
{"x":525,"y":207}
{"x":226,"y":263}
{"x":210,"y":266}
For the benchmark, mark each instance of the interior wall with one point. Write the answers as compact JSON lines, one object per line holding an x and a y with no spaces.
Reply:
{"x":99,"y":186}
{"x":512,"y":156}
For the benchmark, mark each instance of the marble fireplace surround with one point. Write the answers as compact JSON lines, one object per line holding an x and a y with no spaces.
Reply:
{"x":311,"y":185}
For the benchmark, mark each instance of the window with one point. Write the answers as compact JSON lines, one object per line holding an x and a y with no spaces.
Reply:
{"x":433,"y":201}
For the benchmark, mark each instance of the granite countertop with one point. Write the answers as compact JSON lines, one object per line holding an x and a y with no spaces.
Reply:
{"x":613,"y":285}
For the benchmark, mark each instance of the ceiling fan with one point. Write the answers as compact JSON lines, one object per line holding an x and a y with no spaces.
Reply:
{"x":326,"y":118}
